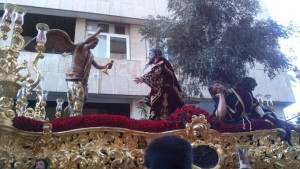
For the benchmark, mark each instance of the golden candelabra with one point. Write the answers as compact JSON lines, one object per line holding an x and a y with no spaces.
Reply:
{"x":11,"y":78}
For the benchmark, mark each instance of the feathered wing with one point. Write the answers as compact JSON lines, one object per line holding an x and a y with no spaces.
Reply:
{"x":58,"y":41}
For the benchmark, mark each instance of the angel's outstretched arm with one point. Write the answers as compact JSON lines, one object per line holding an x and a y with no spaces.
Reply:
{"x":89,"y":39}
{"x":97,"y":66}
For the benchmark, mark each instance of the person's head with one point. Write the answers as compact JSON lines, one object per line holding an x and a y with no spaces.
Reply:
{"x":169,"y":152}
{"x":153,"y":54}
{"x":247,"y":83}
{"x":41,"y":164}
{"x":216,"y":87}
{"x":93,"y":43}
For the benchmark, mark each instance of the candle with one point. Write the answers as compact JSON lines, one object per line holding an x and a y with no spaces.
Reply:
{"x":44,"y":95}
{"x":59,"y":102}
{"x":7,"y":18}
{"x":20,"y":93}
{"x":19,"y":20}
{"x":42,"y":31}
{"x":271,"y":102}
{"x":19,"y":15}
{"x":8,"y":12}
{"x":41,"y":38}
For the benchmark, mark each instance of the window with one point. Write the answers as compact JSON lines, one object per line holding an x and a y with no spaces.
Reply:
{"x":101,"y":49}
{"x":118,"y":48}
{"x":105,"y":26}
{"x":112,"y":43}
{"x":120,"y":30}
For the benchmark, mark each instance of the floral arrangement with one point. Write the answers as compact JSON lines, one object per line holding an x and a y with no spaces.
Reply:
{"x":177,"y":120}
{"x":184,"y":115}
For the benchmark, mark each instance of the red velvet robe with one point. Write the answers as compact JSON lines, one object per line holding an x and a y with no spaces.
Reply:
{"x":165,"y":95}
{"x":239,"y":104}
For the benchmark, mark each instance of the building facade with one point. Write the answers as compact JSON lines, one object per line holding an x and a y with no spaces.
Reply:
{"x":122,"y":43}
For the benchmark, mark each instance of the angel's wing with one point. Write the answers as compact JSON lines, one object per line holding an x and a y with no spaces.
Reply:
{"x":58,"y":41}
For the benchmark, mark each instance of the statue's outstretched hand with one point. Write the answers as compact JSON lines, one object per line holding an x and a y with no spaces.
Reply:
{"x":100,"y":29}
{"x":138,"y":80}
{"x":109,"y":65}
{"x":91,"y":38}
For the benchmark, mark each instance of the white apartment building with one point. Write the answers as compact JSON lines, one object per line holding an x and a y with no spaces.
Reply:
{"x":115,"y":93}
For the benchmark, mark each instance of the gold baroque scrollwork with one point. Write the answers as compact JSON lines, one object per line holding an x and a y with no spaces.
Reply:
{"x":18,"y":30}
{"x":198,"y":129}
{"x":10,"y":76}
{"x":7,"y":90}
{"x":106,"y":147}
{"x":5,"y":29}
{"x":16,"y":148}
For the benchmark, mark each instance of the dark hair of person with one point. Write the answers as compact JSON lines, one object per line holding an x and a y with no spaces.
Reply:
{"x":169,"y":152}
{"x":41,"y":159}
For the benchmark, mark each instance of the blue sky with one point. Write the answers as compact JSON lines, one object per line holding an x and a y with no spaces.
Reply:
{"x":285,"y":11}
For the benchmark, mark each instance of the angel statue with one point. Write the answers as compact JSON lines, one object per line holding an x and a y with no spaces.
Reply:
{"x":82,"y":60}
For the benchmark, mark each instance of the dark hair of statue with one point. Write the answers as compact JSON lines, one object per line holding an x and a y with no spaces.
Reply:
{"x":247,"y":83}
{"x":157,"y":53}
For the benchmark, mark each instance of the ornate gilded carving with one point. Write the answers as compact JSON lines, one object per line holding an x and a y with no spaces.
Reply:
{"x":94,"y":149}
{"x":76,"y":98}
{"x":17,"y":47}
{"x":7,"y":90}
{"x":4,"y":28}
{"x":197,"y":130}
{"x":106,"y":147}
{"x":11,"y":77}
{"x":16,"y":148}
{"x":266,"y":149}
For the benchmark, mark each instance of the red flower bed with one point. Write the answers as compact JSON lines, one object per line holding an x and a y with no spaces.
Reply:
{"x":27,"y":124}
{"x":106,"y":120}
{"x":184,"y":115}
{"x":177,"y":120}
{"x":257,"y":124}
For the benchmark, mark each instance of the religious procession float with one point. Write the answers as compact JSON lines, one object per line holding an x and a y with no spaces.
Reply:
{"x":114,"y":141}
